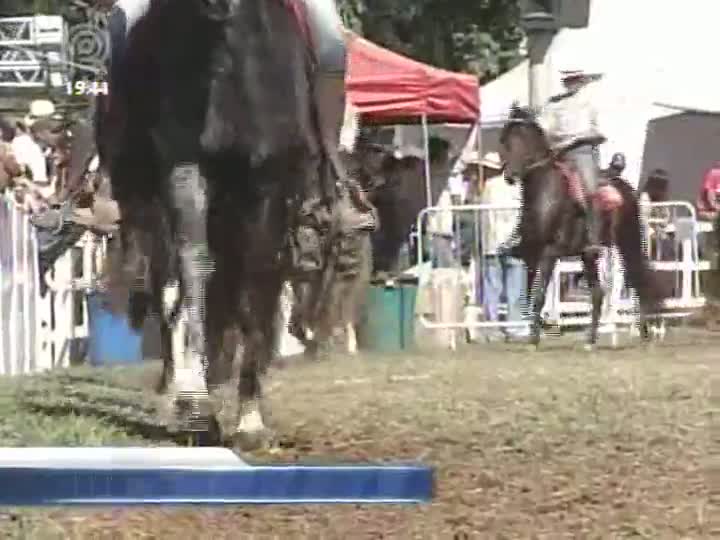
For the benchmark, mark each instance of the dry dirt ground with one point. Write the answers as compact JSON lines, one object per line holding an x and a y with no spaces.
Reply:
{"x":555,"y":444}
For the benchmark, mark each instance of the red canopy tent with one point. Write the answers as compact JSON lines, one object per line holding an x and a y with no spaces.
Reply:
{"x":388,"y":88}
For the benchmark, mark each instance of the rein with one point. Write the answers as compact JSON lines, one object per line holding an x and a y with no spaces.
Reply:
{"x":548,"y":160}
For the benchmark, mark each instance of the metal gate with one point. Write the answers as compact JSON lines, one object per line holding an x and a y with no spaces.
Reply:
{"x":39,"y":333}
{"x":671,"y":241}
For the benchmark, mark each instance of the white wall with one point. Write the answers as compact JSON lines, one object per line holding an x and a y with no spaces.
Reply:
{"x":651,"y":51}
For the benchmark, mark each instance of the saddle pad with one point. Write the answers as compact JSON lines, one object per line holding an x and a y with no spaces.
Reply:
{"x":606,"y":198}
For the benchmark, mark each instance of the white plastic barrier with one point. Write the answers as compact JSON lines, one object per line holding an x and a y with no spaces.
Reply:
{"x":671,"y":242}
{"x":671,"y":224}
{"x":41,"y":333}
{"x":19,"y":295}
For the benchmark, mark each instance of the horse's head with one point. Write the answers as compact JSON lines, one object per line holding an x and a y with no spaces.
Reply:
{"x":523,"y":142}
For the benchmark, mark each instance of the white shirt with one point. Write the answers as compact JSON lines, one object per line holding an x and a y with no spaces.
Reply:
{"x":28,"y":153}
{"x":572,"y":116}
{"x":133,"y":9}
{"x":496,"y":226}
{"x":440,"y":222}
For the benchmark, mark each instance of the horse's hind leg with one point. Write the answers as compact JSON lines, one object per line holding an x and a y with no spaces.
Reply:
{"x":223,"y":345}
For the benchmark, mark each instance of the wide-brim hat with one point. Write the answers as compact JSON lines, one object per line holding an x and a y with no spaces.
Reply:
{"x":39,"y":108}
{"x":579,"y":74}
{"x":492,"y":160}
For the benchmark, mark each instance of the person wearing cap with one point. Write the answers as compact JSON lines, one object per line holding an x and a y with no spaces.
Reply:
{"x":616,"y":167}
{"x":502,"y":275}
{"x":571,"y":123}
{"x":28,"y":152}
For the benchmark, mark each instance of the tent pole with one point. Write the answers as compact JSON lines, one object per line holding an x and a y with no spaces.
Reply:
{"x":426,"y":142}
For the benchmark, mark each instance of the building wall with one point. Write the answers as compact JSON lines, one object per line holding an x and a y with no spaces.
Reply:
{"x":685,"y":145}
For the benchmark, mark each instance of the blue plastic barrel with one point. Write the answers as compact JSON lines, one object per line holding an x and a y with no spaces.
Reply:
{"x":111,"y":338}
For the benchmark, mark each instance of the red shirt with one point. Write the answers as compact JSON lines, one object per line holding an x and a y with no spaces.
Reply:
{"x":710,"y":185}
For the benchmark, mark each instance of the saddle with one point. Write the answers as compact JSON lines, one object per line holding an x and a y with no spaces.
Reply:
{"x":606,"y":197}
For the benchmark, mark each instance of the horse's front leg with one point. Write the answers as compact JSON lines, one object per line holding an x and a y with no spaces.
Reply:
{"x":542,"y":277}
{"x":188,"y":195}
{"x":260,"y":284}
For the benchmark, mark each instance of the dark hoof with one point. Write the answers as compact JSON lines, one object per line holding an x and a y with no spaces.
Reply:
{"x":313,"y":351}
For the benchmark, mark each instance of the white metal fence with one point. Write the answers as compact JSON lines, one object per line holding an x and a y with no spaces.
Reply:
{"x":672,"y":244}
{"x":37,"y":332}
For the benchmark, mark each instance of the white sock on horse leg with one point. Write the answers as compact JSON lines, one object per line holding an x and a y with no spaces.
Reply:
{"x":251,"y":420}
{"x":352,"y":346}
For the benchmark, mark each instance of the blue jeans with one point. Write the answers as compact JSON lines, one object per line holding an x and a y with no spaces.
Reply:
{"x":442,"y":251}
{"x":504,"y":276}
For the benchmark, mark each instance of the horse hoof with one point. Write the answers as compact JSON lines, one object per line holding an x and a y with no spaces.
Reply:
{"x":184,"y":411}
{"x":251,"y":432}
{"x":589,"y":347}
{"x":249,"y":441}
{"x":192,"y":410}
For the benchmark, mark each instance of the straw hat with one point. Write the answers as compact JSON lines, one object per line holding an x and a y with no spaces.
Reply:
{"x":575,"y":74}
{"x":40,"y":108}
{"x":492,"y":160}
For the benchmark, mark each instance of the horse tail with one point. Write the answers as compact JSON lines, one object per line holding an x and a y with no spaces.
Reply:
{"x":630,"y":240}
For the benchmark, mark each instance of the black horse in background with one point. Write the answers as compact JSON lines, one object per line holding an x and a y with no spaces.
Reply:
{"x":212,"y":144}
{"x":396,"y":187}
{"x":552,"y":224}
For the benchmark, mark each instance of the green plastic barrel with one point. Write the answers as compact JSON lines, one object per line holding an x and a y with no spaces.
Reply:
{"x":390,"y":317}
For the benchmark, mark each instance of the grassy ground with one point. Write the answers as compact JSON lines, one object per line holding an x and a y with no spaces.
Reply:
{"x":557,"y":444}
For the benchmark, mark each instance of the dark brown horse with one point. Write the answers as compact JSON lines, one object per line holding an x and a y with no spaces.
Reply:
{"x":212,"y":143}
{"x":553,"y":224}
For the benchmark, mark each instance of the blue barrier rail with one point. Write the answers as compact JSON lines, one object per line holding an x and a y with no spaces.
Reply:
{"x":173,"y":476}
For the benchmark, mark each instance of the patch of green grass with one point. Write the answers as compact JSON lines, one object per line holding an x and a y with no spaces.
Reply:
{"x":79,"y":407}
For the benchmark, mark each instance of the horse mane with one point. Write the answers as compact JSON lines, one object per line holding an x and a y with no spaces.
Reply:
{"x":525,"y":117}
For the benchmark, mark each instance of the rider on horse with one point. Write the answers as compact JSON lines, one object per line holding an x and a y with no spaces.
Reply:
{"x":570,"y":121}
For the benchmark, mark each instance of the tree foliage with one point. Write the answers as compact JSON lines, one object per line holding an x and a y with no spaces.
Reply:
{"x":478,"y":36}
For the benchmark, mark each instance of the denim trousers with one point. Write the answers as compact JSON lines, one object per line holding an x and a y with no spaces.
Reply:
{"x":504,"y":277}
{"x":442,"y":251}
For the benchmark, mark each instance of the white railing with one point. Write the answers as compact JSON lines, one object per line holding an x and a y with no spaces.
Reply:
{"x":39,"y":333}
{"x":670,"y":226}
{"x":19,"y":294}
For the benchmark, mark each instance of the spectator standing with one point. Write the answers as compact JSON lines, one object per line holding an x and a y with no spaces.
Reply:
{"x":656,"y":190}
{"x":440,"y":229}
{"x":708,"y":203}
{"x":503,"y":276}
{"x":27,"y":151}
{"x":616,"y":167}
